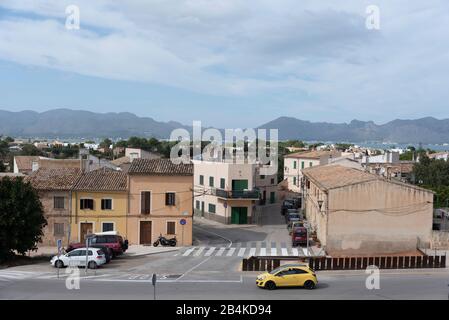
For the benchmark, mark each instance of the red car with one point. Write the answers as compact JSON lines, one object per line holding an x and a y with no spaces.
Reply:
{"x":299,"y":236}
{"x":113,"y":242}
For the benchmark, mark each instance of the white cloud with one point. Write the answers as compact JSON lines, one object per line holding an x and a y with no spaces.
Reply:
{"x":228,"y":47}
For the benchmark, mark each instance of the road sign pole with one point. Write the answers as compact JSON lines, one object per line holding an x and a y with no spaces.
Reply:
{"x":87,"y":255}
{"x":153,"y":281}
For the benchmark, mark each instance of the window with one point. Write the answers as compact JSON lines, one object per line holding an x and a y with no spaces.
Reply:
{"x":211,"y":181}
{"x":302,"y":164}
{"x":272,"y":180}
{"x":262,"y":176}
{"x":202,"y":180}
{"x":222,"y":183}
{"x":310,"y":164}
{"x":294,"y":181}
{"x":294,"y":164}
{"x":107,"y":226}
{"x":145,"y":202}
{"x":198,"y":204}
{"x":106,"y":204}
{"x":58,"y":202}
{"x":170,"y":199}
{"x":212,"y":208}
{"x":171,"y":227}
{"x":86,"y":204}
{"x":58,"y":229}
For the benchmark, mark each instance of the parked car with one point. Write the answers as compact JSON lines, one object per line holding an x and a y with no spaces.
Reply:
{"x":299,"y":236}
{"x":293,"y":216}
{"x":286,"y":204}
{"x":107,"y":251}
{"x":113,"y":241}
{"x":289,"y":275}
{"x":294,"y":224}
{"x":77,"y":257}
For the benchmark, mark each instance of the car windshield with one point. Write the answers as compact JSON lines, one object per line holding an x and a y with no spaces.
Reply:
{"x":274,"y":271}
{"x":300,"y":233}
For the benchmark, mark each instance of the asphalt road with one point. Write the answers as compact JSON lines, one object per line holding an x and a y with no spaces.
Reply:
{"x":393,"y":285}
{"x":201,"y":277}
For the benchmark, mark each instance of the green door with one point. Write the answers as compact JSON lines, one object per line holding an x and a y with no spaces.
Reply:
{"x":239,"y":185}
{"x":272,"y":197}
{"x":239,"y":215}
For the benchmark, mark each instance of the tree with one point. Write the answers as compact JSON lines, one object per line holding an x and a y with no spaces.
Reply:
{"x":106,"y":143}
{"x":21,"y":217}
{"x":30,"y":150}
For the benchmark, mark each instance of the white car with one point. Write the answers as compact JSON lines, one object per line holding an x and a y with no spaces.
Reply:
{"x":77,"y":258}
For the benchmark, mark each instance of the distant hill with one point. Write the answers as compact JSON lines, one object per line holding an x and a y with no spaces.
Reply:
{"x":66,"y":123}
{"x":425,"y":130}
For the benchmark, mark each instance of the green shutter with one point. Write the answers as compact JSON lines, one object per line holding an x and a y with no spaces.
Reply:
{"x":222,"y":183}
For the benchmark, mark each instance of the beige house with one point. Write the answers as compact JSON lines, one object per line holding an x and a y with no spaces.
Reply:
{"x":358,"y":213}
{"x":295,"y":162}
{"x":229,"y":192}
{"x":160,"y":201}
{"x":54,"y":188}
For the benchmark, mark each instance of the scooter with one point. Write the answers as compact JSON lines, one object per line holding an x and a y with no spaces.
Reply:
{"x":165,"y":242}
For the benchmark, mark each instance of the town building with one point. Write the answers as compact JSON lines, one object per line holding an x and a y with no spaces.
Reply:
{"x":99,"y":203}
{"x":54,"y":187}
{"x":160,"y":201}
{"x":294,"y":164}
{"x":228,"y":192}
{"x":357,"y":213}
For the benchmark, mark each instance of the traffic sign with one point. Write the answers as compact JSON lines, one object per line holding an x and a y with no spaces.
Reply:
{"x":59,"y":244}
{"x":183,"y":221}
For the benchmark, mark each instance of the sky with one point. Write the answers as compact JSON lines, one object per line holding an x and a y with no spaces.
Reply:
{"x":228,"y":63}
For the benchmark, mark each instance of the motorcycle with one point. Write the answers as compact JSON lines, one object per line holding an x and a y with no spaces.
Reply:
{"x":165,"y":242}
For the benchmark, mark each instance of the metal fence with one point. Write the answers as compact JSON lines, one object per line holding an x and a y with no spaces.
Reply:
{"x":347,"y":263}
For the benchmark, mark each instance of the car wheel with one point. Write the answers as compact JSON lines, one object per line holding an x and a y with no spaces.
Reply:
{"x":92,"y":265}
{"x":270,"y":285}
{"x":309,"y":284}
{"x":59,"y":264}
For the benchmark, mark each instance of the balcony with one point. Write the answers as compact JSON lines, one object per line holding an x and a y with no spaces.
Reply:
{"x":236,"y":194}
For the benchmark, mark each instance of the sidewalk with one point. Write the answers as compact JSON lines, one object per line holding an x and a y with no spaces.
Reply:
{"x":133,"y":251}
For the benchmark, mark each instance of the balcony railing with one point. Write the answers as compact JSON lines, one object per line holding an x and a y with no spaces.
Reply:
{"x":236,"y":194}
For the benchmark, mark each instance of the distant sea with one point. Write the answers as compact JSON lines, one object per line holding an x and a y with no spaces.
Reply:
{"x":392,"y":145}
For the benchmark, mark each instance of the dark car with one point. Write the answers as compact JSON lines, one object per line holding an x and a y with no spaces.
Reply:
{"x":113,"y":242}
{"x":299,"y":236}
{"x":286,"y":205}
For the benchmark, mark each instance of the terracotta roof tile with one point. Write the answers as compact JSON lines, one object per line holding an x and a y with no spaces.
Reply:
{"x":25,"y":163}
{"x":336,"y":176}
{"x":103,"y":179}
{"x":54,"y":179}
{"x":315,"y":154}
{"x":160,"y":167}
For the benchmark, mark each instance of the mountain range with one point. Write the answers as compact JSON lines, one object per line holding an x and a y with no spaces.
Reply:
{"x":66,"y":123}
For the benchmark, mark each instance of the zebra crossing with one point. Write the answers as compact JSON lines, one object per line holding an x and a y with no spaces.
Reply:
{"x":9,"y":275}
{"x":245,"y":250}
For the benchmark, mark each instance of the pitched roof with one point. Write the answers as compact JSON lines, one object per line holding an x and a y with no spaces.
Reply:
{"x":25,"y":163}
{"x":160,"y":167}
{"x":119,"y":161}
{"x":336,"y":176}
{"x":103,"y":179}
{"x":315,"y":154}
{"x":54,"y":179}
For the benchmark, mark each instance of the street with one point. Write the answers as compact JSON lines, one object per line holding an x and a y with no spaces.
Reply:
{"x":211,"y":270}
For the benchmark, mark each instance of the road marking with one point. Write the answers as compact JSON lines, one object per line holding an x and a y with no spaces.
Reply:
{"x":231,"y":252}
{"x":220,"y":252}
{"x":284,"y":252}
{"x":306,"y":252}
{"x":189,"y":251}
{"x":274,"y":251}
{"x":295,"y":252}
{"x":241,"y":252}
{"x":209,"y":252}
{"x":252,"y":252}
{"x":263,"y":251}
{"x":199,"y":251}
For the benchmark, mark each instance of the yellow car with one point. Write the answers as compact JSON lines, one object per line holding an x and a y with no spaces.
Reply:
{"x":289,"y":275}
